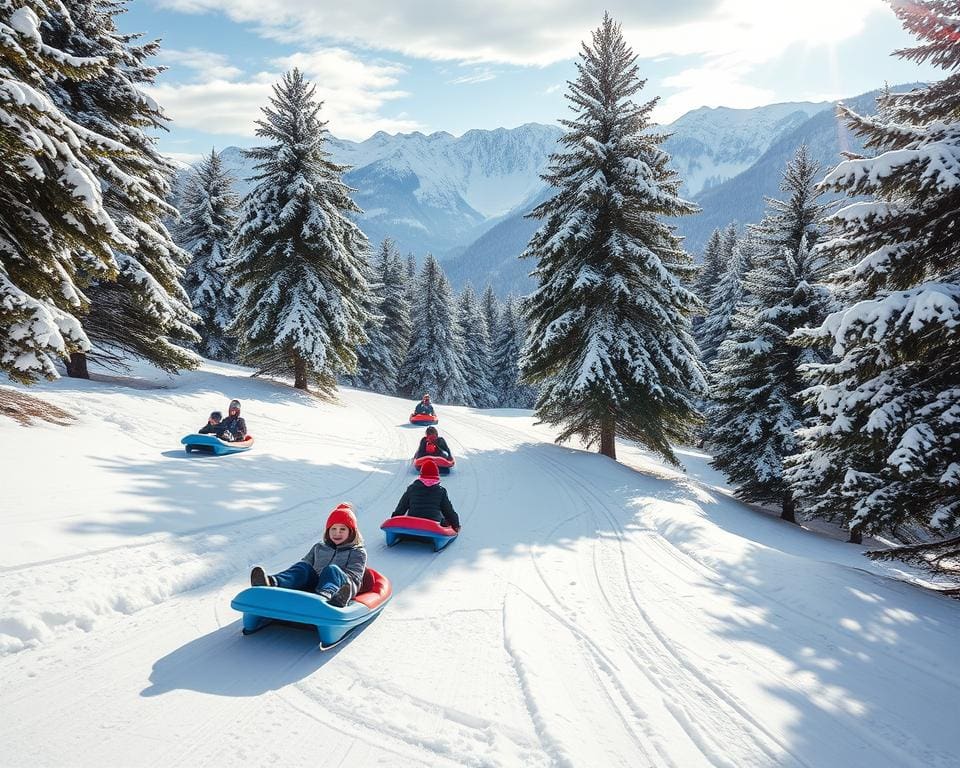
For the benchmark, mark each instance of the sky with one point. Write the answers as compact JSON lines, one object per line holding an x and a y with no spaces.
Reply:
{"x":434,"y":66}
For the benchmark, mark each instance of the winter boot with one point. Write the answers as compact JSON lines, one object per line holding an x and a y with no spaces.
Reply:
{"x":341,"y":597}
{"x":259,"y":578}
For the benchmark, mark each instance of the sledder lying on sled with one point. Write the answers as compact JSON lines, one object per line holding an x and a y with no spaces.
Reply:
{"x":262,"y":605}
{"x":406,"y":527}
{"x":213,"y":444}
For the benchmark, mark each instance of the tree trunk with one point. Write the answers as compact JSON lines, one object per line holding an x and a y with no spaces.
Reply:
{"x":789,"y":512}
{"x":299,"y":372}
{"x":856,"y":537}
{"x":77,"y":366}
{"x":608,"y":445}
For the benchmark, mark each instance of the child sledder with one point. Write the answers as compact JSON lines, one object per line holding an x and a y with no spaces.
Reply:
{"x":330,"y":587}
{"x":434,"y":447}
{"x":424,"y":511}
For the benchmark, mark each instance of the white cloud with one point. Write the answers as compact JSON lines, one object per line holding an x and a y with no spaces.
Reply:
{"x":730,"y":39}
{"x":208,"y":65}
{"x":353,"y":92}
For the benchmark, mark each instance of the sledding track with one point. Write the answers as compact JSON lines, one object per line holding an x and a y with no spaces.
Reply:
{"x":581,"y":618}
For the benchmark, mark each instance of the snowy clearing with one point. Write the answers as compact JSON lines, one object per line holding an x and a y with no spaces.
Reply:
{"x":590,"y":613}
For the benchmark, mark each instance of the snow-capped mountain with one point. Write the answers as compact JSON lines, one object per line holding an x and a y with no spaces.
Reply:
{"x":712,"y":144}
{"x":437,"y":192}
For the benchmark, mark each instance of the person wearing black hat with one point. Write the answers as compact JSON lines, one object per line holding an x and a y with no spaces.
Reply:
{"x":213,"y":425}
{"x":234,"y":427}
{"x":426,"y":498}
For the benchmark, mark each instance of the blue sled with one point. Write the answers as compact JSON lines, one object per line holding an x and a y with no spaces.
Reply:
{"x":261,"y":605}
{"x":214,"y":445}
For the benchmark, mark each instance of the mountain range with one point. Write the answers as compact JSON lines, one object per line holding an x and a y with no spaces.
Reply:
{"x":465,"y":198}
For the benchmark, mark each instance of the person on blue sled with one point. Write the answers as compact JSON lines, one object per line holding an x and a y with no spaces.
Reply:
{"x":213,"y":426}
{"x":426,"y":498}
{"x":434,"y":446}
{"x":233,"y":429}
{"x":424,"y":407}
{"x":333,"y":568}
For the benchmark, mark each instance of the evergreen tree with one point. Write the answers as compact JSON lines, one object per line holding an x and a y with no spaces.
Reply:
{"x":433,"y":362}
{"x":510,"y":391}
{"x":756,"y":380}
{"x":51,"y":206}
{"x":476,"y":349}
{"x":145,"y":311}
{"x":492,"y":309}
{"x":206,"y":229}
{"x":610,"y":342}
{"x":299,"y":265}
{"x":389,"y":330}
{"x":885,"y":447}
{"x":727,"y":294}
{"x":711,"y":267}
{"x":410,"y":283}
{"x":396,"y":307}
{"x":376,"y":370}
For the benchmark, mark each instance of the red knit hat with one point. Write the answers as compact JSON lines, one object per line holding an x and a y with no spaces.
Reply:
{"x":344,"y":515}
{"x":429,"y":471}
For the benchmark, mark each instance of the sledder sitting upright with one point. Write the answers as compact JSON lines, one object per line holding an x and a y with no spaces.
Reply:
{"x":433,"y":445}
{"x":333,"y":568}
{"x":426,"y":498}
{"x":424,"y":407}
{"x":233,"y":428}
{"x":213,"y":426}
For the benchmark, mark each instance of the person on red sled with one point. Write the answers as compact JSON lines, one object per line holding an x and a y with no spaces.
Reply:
{"x":426,"y":498}
{"x":233,"y":429}
{"x":433,"y":445}
{"x":424,"y":406}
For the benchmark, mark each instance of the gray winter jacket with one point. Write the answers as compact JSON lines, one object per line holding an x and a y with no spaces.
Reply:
{"x":352,"y":558}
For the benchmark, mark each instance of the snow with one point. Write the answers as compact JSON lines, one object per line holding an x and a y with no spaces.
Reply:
{"x":590,"y":613}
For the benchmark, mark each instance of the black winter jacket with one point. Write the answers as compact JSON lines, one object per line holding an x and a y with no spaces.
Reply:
{"x":442,"y":449}
{"x":428,"y":501}
{"x":235,"y":425}
{"x":211,"y":429}
{"x":426,"y":408}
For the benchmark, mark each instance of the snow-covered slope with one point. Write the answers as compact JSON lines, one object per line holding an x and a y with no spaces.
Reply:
{"x":590,"y":613}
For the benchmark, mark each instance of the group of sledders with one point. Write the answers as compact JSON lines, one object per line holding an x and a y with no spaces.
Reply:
{"x":331,"y":587}
{"x":221,"y":435}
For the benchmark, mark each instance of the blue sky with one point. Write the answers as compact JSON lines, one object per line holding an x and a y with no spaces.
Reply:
{"x":485,"y":65}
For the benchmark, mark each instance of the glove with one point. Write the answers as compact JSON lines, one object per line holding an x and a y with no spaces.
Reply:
{"x":227,"y":435}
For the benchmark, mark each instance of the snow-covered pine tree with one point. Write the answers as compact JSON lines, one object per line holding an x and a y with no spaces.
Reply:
{"x":727,"y":294}
{"x":433,"y":362}
{"x":755,"y":380}
{"x":492,"y":309}
{"x":375,"y":367}
{"x":509,"y":389}
{"x":299,"y":260}
{"x":610,"y":344}
{"x":51,"y":205}
{"x":476,"y":349}
{"x":208,"y":216}
{"x":711,"y":267}
{"x":396,"y":306}
{"x":885,"y":446}
{"x":410,"y":280}
{"x":145,"y":311}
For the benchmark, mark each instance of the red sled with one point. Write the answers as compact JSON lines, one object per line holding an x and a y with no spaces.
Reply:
{"x":423,"y":418}
{"x":442,"y":462}
{"x":420,"y":528}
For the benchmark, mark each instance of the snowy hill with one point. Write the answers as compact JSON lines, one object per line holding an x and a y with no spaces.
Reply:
{"x":590,"y":613}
